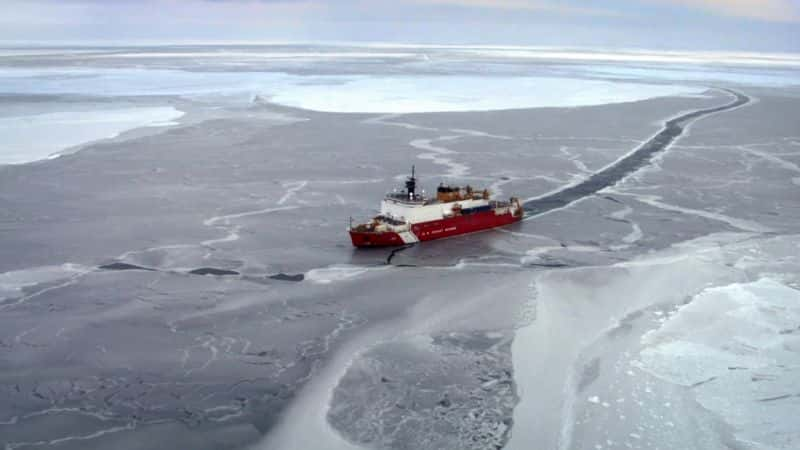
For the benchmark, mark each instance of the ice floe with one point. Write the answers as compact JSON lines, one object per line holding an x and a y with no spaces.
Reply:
{"x":737,"y":345}
{"x":39,"y":136}
{"x":723,"y":310}
{"x":375,"y":93}
{"x":13,"y":283}
{"x":422,"y":93}
{"x":339,"y":272}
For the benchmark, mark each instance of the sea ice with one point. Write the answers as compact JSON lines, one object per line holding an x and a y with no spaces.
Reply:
{"x":393,"y":94}
{"x":12,"y":283}
{"x":38,"y":136}
{"x":334,"y":273}
{"x":373,"y":93}
{"x":737,"y":346}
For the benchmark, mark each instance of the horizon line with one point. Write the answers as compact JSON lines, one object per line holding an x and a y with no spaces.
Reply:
{"x":62,"y":43}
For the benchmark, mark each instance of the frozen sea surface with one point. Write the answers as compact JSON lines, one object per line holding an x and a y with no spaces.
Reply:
{"x":377,"y":93}
{"x":46,"y":129}
{"x":459,"y":93}
{"x":718,"y":346}
{"x":38,"y":136}
{"x":345,"y":79}
{"x":193,"y":286}
{"x":737,"y":345}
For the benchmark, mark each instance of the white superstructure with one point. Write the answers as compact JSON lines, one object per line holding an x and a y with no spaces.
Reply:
{"x":418,"y":212}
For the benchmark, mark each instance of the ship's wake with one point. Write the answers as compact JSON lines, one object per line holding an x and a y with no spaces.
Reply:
{"x":630,"y":163}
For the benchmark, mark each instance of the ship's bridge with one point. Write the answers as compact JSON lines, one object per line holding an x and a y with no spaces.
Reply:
{"x":406,"y":197}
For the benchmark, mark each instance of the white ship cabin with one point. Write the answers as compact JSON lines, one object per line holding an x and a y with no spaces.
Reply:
{"x":408,"y":206}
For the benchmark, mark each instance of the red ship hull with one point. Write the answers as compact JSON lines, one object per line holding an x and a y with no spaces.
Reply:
{"x":435,"y":229}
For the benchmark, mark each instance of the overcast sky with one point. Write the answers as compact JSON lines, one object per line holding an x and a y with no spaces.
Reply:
{"x":760,"y":25}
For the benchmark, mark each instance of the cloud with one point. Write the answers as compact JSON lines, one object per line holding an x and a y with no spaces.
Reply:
{"x":154,"y":13}
{"x":524,"y":5}
{"x":766,"y":10}
{"x":707,"y":24}
{"x":763,"y":10}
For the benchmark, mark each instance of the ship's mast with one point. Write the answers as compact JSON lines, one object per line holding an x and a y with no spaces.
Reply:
{"x":411,"y":185}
